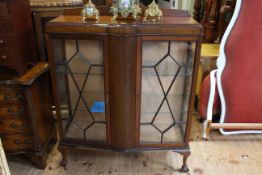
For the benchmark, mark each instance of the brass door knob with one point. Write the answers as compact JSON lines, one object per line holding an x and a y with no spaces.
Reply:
{"x":7,"y":97}
{"x":4,"y":57}
{"x":17,"y":142}
{"x":19,"y":96}
{"x":2,"y":41}
{"x":13,"y":125}
{"x":21,"y":109}
{"x":10,"y":110}
{"x":28,"y":142}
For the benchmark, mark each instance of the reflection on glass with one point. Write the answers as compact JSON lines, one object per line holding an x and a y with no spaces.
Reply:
{"x":124,"y":3}
{"x":167,"y":68}
{"x":80,"y":84}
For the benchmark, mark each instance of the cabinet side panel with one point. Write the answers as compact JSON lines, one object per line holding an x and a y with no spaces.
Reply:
{"x":40,"y":105}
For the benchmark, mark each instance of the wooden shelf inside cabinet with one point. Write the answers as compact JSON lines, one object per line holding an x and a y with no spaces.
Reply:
{"x":124,"y":85}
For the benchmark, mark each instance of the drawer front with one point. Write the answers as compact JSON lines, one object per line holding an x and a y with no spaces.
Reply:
{"x":3,"y":9}
{"x":5,"y":25}
{"x":14,"y":125}
{"x":16,"y":143}
{"x":12,"y":110}
{"x":6,"y":42}
{"x":11,"y":95}
{"x":7,"y":56}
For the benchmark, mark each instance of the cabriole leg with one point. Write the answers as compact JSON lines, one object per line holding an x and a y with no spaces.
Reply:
{"x":64,"y":156}
{"x":185,"y":154}
{"x":184,"y":167}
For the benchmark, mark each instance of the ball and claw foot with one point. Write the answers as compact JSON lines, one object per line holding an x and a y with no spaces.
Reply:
{"x":185,"y":153}
{"x":184,"y":169}
{"x":64,"y":163}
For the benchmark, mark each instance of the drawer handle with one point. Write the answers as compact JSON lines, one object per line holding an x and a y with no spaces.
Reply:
{"x":17,"y":142}
{"x":4,"y":57}
{"x":7,"y":97}
{"x":26,"y":142}
{"x":18,"y":97}
{"x":13,"y":125}
{"x":2,"y":42}
{"x":11,"y":110}
{"x":23,"y":126}
{"x":22,"y":109}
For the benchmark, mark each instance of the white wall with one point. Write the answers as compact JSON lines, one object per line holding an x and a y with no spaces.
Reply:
{"x":179,"y":4}
{"x":187,"y":5}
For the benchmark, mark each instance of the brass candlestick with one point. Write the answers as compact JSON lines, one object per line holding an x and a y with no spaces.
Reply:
{"x":90,"y":12}
{"x":125,"y":8}
{"x":153,"y":12}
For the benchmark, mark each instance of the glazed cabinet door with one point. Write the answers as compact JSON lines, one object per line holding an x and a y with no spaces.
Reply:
{"x":81,"y":87}
{"x":165,"y":74}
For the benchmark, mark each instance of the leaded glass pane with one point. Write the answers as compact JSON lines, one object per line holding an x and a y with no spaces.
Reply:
{"x":80,"y":85}
{"x":167,"y":68}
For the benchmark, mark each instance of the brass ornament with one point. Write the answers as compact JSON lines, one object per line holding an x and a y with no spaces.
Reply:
{"x":134,"y":10}
{"x":114,"y":11}
{"x":153,"y":12}
{"x":90,"y":12}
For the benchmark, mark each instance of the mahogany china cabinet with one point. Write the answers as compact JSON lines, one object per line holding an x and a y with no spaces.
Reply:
{"x":124,"y":85}
{"x":26,"y":119}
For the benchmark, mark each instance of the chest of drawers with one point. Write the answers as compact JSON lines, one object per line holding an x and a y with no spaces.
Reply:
{"x":16,"y":35}
{"x":15,"y":126}
{"x":26,"y":119}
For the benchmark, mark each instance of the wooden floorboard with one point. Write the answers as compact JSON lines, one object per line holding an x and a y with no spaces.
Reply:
{"x":221,"y":155}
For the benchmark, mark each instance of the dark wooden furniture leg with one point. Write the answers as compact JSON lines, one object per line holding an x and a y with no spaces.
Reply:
{"x":39,"y":160}
{"x":185,"y":154}
{"x":63,"y":151}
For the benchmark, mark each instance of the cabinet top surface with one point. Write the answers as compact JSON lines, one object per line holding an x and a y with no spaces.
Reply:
{"x":168,"y":25}
{"x":106,"y":20}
